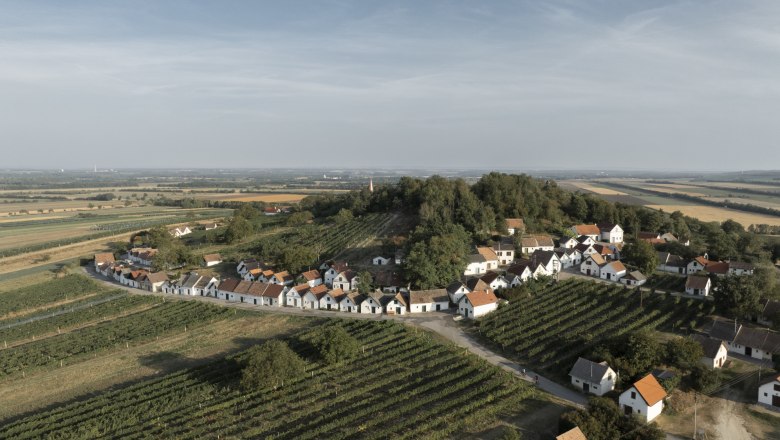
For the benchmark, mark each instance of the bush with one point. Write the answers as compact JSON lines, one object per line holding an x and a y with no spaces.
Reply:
{"x":335,"y":345}
{"x":270,"y":364}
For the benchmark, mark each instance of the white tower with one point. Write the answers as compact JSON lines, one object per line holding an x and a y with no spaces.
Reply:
{"x":370,"y":184}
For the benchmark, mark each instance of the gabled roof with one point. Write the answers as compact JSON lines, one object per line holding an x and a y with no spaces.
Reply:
{"x":648,"y":235}
{"x":696,"y":282}
{"x":701,"y":260}
{"x":543,"y":257}
{"x":770,"y":308}
{"x":104,"y":257}
{"x":203,"y":282}
{"x":355,"y":297}
{"x":519,"y":268}
{"x":504,"y":244}
{"x":538,"y":240}
{"x":589,"y":371}
{"x":487,"y":253}
{"x":586,"y":230}
{"x":582,"y":247}
{"x":636,"y":276}
{"x":209,"y":258}
{"x":337,"y":294}
{"x":480,"y":298}
{"x":428,"y":296}
{"x":598,"y":259}
{"x":157,"y":277}
{"x":319,"y":291}
{"x":242,"y":287}
{"x":572,"y":434}
{"x":490,"y":277}
{"x":455,"y":286}
{"x":606,"y":227}
{"x":339,"y":266}
{"x":190,"y":280}
{"x":515,"y":223}
{"x":616,"y":266}
{"x":376,"y":295}
{"x":724,"y":330}
{"x":720,"y":267}
{"x":760,"y":338}
{"x":603,"y":250}
{"x":477,"y":284}
{"x":709,"y":346}
{"x":311,"y":275}
{"x":349,"y":274}
{"x":228,"y":285}
{"x":740,"y":265}
{"x":475,"y":258}
{"x":283,"y":276}
{"x":651,"y":391}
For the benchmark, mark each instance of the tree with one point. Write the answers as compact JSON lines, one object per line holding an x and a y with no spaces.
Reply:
{"x":510,"y":433}
{"x":270,"y":364}
{"x":704,"y":379}
{"x":299,"y":218}
{"x":632,"y":354}
{"x":238,"y":229}
{"x":683,"y":353}
{"x":297,"y":258}
{"x":335,"y":345}
{"x":365,"y":282}
{"x":603,"y":420}
{"x":641,"y":255}
{"x":247,"y":211}
{"x":343,"y":216}
{"x":436,"y":257}
{"x":737,"y":296}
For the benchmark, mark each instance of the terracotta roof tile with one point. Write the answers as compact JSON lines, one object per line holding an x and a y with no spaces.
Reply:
{"x":650,"y":390}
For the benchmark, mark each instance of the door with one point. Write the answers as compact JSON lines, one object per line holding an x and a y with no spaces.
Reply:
{"x":627,"y":410}
{"x":748,"y":351}
{"x":438,"y":307}
{"x":424,"y":308}
{"x":586,"y":387}
{"x":373,"y":309}
{"x":397,"y":310}
{"x":587,"y":272}
{"x":776,"y":401}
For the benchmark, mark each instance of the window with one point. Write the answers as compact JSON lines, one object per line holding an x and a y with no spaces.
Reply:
{"x":777,"y":387}
{"x":633,"y":395}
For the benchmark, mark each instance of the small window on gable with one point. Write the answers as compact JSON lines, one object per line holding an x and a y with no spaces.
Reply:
{"x":633,"y":395}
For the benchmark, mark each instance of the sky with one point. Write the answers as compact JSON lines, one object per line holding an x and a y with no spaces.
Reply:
{"x":569,"y":84}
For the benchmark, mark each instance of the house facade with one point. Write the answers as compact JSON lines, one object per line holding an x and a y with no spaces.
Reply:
{"x":644,"y":399}
{"x":592,"y":377}
{"x":612,"y":271}
{"x":610,"y":233}
{"x":769,"y":392}
{"x":698,"y":285}
{"x":478,"y":303}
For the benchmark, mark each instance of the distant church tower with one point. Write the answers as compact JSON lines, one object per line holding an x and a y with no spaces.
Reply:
{"x":370,"y":184}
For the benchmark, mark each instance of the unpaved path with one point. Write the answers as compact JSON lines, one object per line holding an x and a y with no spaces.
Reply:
{"x":729,"y":423}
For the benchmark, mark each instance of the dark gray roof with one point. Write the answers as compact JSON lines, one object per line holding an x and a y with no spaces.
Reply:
{"x":589,"y":371}
{"x":543,"y":257}
{"x":454,"y":287}
{"x":740,"y":265}
{"x":723,"y":330}
{"x":709,"y":345}
{"x":760,"y":338}
{"x":771,"y":307}
{"x":476,"y":258}
{"x":190,"y":280}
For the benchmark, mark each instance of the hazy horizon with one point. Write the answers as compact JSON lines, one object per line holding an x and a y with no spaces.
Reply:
{"x":609,"y":85}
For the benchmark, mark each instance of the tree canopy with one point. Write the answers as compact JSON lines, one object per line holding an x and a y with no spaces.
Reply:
{"x":270,"y":364}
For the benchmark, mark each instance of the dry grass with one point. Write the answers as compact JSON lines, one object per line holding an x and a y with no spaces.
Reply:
{"x":715,"y":214}
{"x":596,"y":189}
{"x":244,"y":197}
{"x":674,"y":188}
{"x":179,"y":351}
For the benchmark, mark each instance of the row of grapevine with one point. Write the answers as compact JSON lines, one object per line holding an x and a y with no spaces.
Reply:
{"x":49,"y":292}
{"x":402,"y":385}
{"x":554,"y":326}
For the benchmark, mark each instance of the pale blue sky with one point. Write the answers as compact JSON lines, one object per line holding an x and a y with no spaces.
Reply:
{"x":342,"y":84}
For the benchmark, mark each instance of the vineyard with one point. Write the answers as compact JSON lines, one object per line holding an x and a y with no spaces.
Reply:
{"x":553,"y":327}
{"x":403,"y":385}
{"x":119,"y":333}
{"x":49,"y":292}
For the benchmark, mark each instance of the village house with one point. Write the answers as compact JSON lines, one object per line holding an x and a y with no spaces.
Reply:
{"x":312,"y":277}
{"x":519,"y":273}
{"x":634,"y":278}
{"x":610,"y":232}
{"x":153,"y":281}
{"x":478,"y":303}
{"x":672,"y":263}
{"x":272,"y":210}
{"x":769,"y":392}
{"x":240,"y":291}
{"x":569,"y":257}
{"x":644,"y":399}
{"x":421,"y":301}
{"x":567,"y":242}
{"x":346,"y":281}
{"x":282,"y":278}
{"x":592,"y":377}
{"x":331,"y":299}
{"x":715,"y":351}
{"x":505,"y":251}
{"x":312,"y":297}
{"x":592,"y":231}
{"x":515,"y":226}
{"x":612,"y":271}
{"x":265,"y":276}
{"x":649,"y":236}
{"x":475,"y":265}
{"x":372,"y":303}
{"x":332,"y":270}
{"x":572,"y":434}
{"x":394,"y":305}
{"x":265,"y":294}
{"x":758,"y":343}
{"x":142,"y":256}
{"x":495,"y":281}
{"x":548,"y":259}
{"x":698,"y":264}
{"x":180,"y":231}
{"x":592,"y":265}
{"x":698,"y":285}
{"x":350,"y":303}
{"x":294,"y":296}
{"x":211,"y":260}
{"x":245,"y":266}
{"x":533,"y":243}
{"x":225,"y":288}
{"x":456,"y":290}
{"x":608,"y":252}
{"x":381,"y":261}
{"x":491,"y":259}
{"x":103,"y":258}
{"x":740,"y":268}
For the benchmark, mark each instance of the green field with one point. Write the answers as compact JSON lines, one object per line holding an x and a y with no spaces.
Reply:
{"x":554,"y":326}
{"x":404,"y":385}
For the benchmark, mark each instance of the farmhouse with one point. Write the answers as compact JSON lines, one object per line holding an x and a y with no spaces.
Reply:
{"x":103,"y":258}
{"x":421,"y":301}
{"x":698,"y":264}
{"x":247,"y":265}
{"x":592,"y":377}
{"x":350,"y":302}
{"x":226,"y":287}
{"x":490,"y":257}
{"x":456,"y":290}
{"x":312,"y":277}
{"x":645,"y":399}
{"x":518,"y":273}
{"x":283,"y":278}
{"x":394,"y":305}
{"x":294,"y":296}
{"x":569,"y":257}
{"x":634,"y":278}
{"x":312,"y":297}
{"x":572,"y":434}
{"x":332,"y":270}
{"x":739,"y":268}
{"x":475,"y":265}
{"x":592,"y":265}
{"x":142,"y":256}
{"x":769,"y":392}
{"x":505,"y":250}
{"x":530,"y":244}
{"x":331,"y":299}
{"x":672,"y":263}
{"x":697,"y":285}
{"x":381,"y":261}
{"x":610,"y":232}
{"x":180,"y":231}
{"x":372,"y":303}
{"x":608,"y":252}
{"x":592,"y":231}
{"x":495,"y":281}
{"x":211,"y":260}
{"x":715,"y":351}
{"x":478,"y":303}
{"x":758,"y":343}
{"x":346,"y":280}
{"x":515,"y":226}
{"x":612,"y":271}
{"x":153,"y":281}
{"x":567,"y":242}
{"x":389,"y":281}
{"x":548,"y":259}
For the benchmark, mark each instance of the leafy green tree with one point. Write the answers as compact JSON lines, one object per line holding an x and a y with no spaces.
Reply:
{"x":297,"y":258}
{"x":270,"y":364}
{"x":343,"y":216}
{"x":633,"y":354}
{"x":365,"y":282}
{"x":737,"y":296}
{"x":238,"y":229}
{"x":641,"y":255}
{"x":603,"y":420}
{"x":510,"y":433}
{"x":335,"y":345}
{"x":435,"y":258}
{"x":299,"y":218}
{"x":159,"y":237}
{"x":704,"y":379}
{"x":683,"y":353}
{"x":247,"y":211}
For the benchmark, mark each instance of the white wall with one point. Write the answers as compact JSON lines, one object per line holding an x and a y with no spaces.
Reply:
{"x":640,"y":408}
{"x":766,"y":391}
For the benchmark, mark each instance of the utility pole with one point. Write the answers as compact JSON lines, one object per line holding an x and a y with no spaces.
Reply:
{"x":695,"y":395}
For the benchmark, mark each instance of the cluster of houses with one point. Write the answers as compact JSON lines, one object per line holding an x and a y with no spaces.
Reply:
{"x":698,"y":270}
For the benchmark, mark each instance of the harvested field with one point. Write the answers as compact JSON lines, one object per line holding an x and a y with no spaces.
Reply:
{"x":625,"y":199}
{"x":244,"y":197}
{"x":713,"y":214}
{"x":587,"y":186}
